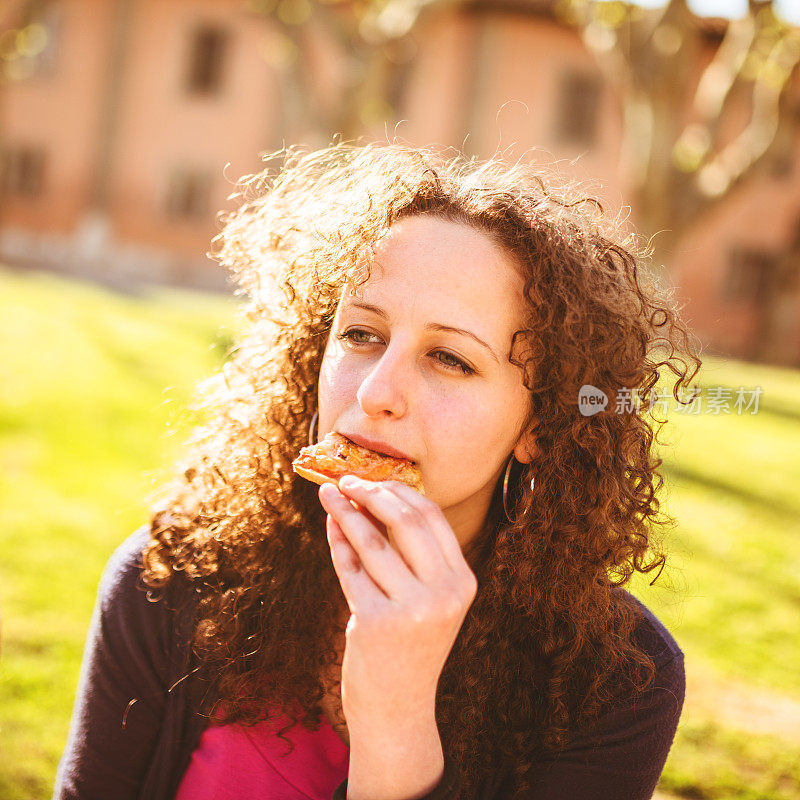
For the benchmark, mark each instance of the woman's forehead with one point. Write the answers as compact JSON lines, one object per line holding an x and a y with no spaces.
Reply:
{"x":437,"y":265}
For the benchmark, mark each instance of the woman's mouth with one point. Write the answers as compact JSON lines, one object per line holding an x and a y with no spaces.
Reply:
{"x":376,"y":445}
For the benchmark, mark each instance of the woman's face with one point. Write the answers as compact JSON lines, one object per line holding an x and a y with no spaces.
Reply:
{"x":417,"y":363}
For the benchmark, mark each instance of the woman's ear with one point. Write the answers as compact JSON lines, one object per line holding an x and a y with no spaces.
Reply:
{"x":526,"y":448}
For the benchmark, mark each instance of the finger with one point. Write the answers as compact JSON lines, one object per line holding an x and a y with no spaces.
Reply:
{"x":360,"y":591}
{"x":451,"y":548}
{"x":410,"y":528}
{"x":384,"y":565}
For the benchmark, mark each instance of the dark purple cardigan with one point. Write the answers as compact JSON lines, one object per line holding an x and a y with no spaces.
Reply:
{"x":135,"y":722}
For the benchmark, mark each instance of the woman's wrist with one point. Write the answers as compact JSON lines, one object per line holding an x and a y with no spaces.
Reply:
{"x":397,"y":760}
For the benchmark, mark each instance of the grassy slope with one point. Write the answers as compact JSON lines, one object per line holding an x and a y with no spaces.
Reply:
{"x":89,"y":382}
{"x":732,"y":593}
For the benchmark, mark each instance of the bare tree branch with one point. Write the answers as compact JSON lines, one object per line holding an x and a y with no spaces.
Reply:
{"x":736,"y":161}
{"x":366,"y":38}
{"x":720,"y":76}
{"x":672,"y":132}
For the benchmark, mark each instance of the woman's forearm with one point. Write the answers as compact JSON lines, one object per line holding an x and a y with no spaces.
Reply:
{"x":398,"y":761}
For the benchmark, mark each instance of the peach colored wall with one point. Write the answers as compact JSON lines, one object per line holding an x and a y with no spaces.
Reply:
{"x":493,"y":82}
{"x":762,"y":215}
{"x":161,"y":127}
{"x":61,"y":113}
{"x":437,"y":97}
{"x":528,"y":60}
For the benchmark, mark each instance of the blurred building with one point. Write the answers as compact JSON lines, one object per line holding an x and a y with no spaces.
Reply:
{"x":126,"y":124}
{"x":115,"y":145}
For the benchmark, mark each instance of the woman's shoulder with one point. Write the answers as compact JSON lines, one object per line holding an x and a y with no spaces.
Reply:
{"x":122,"y":594}
{"x":651,"y":636}
{"x":661,"y":701}
{"x":621,"y":752}
{"x":121,"y":582}
{"x":638,"y":721}
{"x":124,"y":566}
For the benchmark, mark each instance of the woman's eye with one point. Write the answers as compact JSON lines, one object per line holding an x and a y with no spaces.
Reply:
{"x":452,"y":362}
{"x":358,"y":336}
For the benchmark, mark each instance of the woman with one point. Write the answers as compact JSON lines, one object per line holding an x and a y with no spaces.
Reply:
{"x":474,"y":642}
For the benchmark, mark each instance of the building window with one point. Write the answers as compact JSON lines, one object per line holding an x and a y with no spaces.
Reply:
{"x":576,"y":114}
{"x":188,"y":195}
{"x":206,"y":56}
{"x":22,"y":171}
{"x":781,"y":165}
{"x":748,"y":275}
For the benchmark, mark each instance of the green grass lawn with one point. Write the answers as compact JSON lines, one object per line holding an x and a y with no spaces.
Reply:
{"x":93,"y":392}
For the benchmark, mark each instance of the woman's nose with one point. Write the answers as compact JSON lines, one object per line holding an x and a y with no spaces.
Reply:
{"x":384,"y":391}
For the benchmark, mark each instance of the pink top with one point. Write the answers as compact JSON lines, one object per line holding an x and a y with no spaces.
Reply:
{"x":236,"y":761}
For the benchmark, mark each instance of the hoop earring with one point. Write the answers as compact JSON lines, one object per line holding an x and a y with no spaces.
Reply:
{"x":312,"y":429}
{"x":506,"y":476}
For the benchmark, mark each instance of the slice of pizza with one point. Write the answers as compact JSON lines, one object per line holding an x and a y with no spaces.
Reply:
{"x":336,"y":456}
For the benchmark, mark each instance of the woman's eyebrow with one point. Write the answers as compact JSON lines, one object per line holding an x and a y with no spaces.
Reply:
{"x":369,"y":307}
{"x":434,"y":326}
{"x":431,"y":326}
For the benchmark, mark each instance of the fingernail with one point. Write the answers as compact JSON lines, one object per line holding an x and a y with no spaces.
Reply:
{"x":349,"y":481}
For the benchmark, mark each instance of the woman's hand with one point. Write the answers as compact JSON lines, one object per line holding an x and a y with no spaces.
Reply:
{"x":407,"y":602}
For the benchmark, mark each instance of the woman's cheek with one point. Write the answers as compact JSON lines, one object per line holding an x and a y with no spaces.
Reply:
{"x":337,"y":388}
{"x":461,"y":447}
{"x":330,"y":408}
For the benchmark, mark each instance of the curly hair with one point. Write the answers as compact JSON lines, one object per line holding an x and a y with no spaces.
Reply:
{"x":547,"y":643}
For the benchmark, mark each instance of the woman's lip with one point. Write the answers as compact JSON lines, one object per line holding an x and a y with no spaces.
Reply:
{"x":376,"y":446}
